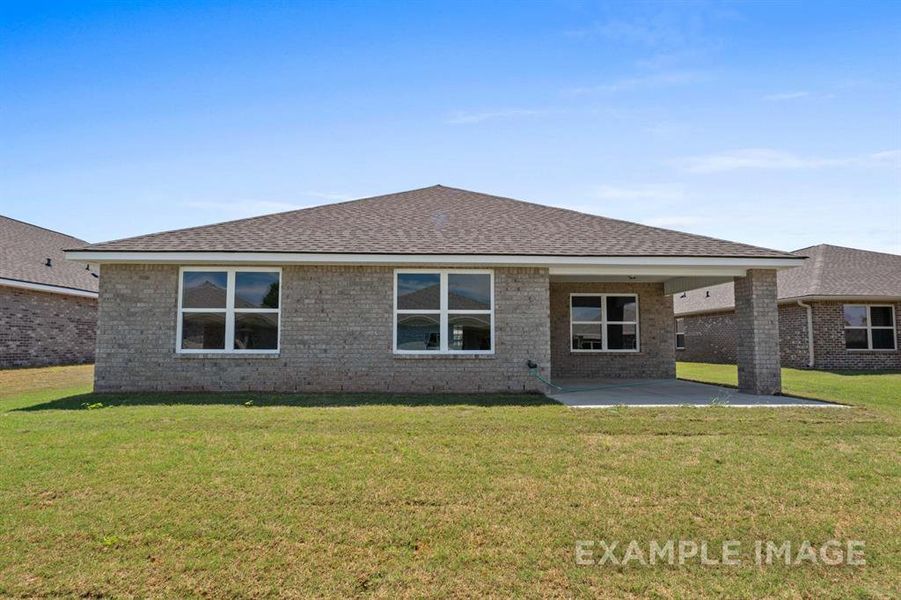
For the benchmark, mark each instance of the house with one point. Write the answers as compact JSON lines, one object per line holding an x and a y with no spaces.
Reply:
{"x":435,"y":289}
{"x":48,"y":306}
{"x":838,"y":310}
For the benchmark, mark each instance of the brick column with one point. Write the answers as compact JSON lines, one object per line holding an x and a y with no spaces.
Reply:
{"x":757,"y":325}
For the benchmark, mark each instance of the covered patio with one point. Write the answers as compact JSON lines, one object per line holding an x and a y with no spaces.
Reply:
{"x":613,"y":323}
{"x":657,"y":393}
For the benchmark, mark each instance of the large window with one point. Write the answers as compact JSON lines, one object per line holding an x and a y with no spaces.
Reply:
{"x":228,"y":310}
{"x":680,"y":334}
{"x":869,"y":327}
{"x":604,"y":322}
{"x":444,"y":312}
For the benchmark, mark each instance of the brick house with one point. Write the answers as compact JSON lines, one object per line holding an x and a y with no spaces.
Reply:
{"x":436,"y":289}
{"x":838,"y":310}
{"x":48,"y":306}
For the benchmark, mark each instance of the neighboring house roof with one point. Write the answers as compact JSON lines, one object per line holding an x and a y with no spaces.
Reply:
{"x":24,"y":250}
{"x":829,"y":271}
{"x":431,"y":297}
{"x":437,"y":220}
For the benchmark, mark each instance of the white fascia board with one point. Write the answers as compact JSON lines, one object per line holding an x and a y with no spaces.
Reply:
{"x":42,"y":287}
{"x":557,"y":264}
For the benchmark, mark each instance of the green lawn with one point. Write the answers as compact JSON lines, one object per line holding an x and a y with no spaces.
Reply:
{"x":881,"y":391}
{"x":294,"y":496}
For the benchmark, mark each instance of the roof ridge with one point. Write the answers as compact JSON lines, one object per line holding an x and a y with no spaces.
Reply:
{"x":816,"y":273}
{"x":852,"y":248}
{"x":482,"y":223}
{"x":584,"y":214}
{"x":44,"y":228}
{"x":264,"y":216}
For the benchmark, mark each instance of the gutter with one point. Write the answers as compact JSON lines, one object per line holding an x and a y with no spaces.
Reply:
{"x":48,"y":288}
{"x":810,"y":358}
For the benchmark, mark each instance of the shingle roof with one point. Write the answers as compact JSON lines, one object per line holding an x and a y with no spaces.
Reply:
{"x":437,"y":220}
{"x":828,"y":271}
{"x":25,"y":248}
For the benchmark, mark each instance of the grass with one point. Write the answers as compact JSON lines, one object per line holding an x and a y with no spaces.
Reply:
{"x":248,"y":495}
{"x":880,"y":391}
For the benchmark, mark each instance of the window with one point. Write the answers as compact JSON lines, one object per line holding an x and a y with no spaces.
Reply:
{"x":680,"y":334}
{"x":444,"y":312}
{"x":869,"y":327}
{"x":228,"y":310}
{"x":604,"y":322}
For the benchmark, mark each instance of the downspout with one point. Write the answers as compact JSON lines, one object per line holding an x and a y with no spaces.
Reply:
{"x":809,"y":333}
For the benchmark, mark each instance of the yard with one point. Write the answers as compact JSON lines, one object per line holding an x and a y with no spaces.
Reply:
{"x":260,"y":495}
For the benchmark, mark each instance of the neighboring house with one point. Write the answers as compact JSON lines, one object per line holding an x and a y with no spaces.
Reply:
{"x":839,"y":310}
{"x":48,"y":305}
{"x":436,"y":289}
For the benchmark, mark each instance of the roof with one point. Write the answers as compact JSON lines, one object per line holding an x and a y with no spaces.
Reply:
{"x":828,"y":271}
{"x":25,"y":248}
{"x":437,"y":220}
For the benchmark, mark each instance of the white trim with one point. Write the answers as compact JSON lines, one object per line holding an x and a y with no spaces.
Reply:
{"x":869,"y":327}
{"x":443,"y":311}
{"x":229,"y":311}
{"x":604,"y":323}
{"x":43,"y":287}
{"x":485,"y":260}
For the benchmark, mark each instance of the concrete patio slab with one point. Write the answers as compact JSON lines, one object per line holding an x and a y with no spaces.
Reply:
{"x":650,"y":393}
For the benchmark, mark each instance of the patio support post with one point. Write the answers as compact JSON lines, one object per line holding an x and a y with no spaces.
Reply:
{"x":757,"y":324}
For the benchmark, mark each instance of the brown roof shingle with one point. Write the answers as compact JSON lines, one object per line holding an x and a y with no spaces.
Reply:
{"x":828,"y":271}
{"x":437,"y":220}
{"x":25,"y":248}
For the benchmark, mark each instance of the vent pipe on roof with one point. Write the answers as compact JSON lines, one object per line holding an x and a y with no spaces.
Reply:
{"x":49,"y":263}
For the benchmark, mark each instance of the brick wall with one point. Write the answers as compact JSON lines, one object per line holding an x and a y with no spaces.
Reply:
{"x":38,"y":328}
{"x":711,"y":338}
{"x":793,"y":347}
{"x":656,"y":333}
{"x":336,"y":336}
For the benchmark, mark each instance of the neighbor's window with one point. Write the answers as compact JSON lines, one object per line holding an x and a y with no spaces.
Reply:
{"x":604,"y":322}
{"x":680,"y":334}
{"x":228,"y":310}
{"x":869,"y":327}
{"x":444,"y":311}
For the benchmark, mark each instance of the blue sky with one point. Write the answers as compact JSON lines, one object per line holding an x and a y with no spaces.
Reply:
{"x":772,"y":123}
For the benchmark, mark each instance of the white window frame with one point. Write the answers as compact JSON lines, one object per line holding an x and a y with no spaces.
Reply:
{"x":678,"y":333}
{"x":229,"y":311}
{"x":604,"y":322}
{"x":870,"y":327}
{"x":442,"y":311}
